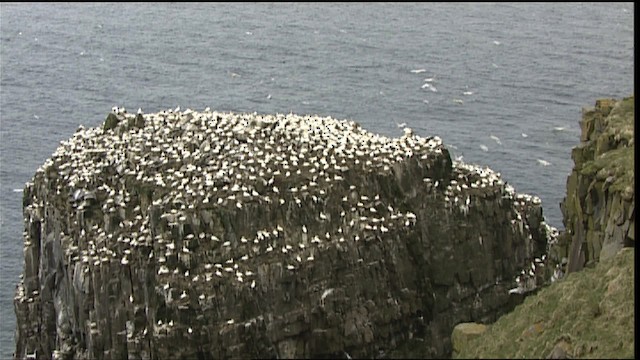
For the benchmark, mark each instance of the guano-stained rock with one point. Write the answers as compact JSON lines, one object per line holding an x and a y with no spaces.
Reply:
{"x":223,"y":235}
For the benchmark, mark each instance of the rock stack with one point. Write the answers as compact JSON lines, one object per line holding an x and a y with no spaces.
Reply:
{"x":186,"y":234}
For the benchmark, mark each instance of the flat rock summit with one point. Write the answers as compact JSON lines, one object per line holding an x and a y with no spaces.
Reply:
{"x":209,"y":235}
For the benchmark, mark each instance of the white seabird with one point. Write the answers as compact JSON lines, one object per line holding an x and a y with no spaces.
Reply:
{"x":430,"y":87}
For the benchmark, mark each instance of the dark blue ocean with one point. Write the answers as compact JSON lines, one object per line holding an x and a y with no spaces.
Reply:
{"x":508,"y":78}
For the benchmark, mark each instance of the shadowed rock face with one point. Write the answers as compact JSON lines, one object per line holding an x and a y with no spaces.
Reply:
{"x":216,"y":235}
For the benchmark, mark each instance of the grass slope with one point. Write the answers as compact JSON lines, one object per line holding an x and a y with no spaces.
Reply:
{"x":591,"y":313}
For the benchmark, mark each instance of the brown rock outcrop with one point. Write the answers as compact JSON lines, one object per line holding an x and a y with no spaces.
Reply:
{"x":464,"y":332}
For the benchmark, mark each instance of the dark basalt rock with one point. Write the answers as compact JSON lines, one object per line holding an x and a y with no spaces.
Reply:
{"x":220,"y":235}
{"x":111,"y":122}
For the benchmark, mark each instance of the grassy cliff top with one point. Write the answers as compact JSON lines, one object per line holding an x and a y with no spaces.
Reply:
{"x":590,"y":314}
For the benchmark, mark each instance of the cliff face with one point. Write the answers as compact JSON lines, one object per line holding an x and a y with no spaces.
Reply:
{"x":589,"y":313}
{"x":598,"y":211}
{"x":216,"y":235}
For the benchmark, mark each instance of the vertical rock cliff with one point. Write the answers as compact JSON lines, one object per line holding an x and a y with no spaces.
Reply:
{"x":221,"y":235}
{"x":598,"y":210}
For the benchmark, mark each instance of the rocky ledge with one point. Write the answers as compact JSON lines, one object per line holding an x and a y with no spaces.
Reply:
{"x":185,"y":234}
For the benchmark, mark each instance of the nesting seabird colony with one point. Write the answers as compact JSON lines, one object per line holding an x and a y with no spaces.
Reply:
{"x":162,"y":189}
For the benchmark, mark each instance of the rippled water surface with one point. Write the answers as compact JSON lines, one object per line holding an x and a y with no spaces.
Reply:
{"x":507,"y":70}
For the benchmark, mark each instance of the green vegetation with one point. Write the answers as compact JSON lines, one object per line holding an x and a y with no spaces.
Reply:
{"x":621,"y":116}
{"x":616,"y":163}
{"x":617,"y":134}
{"x":590,"y":313}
